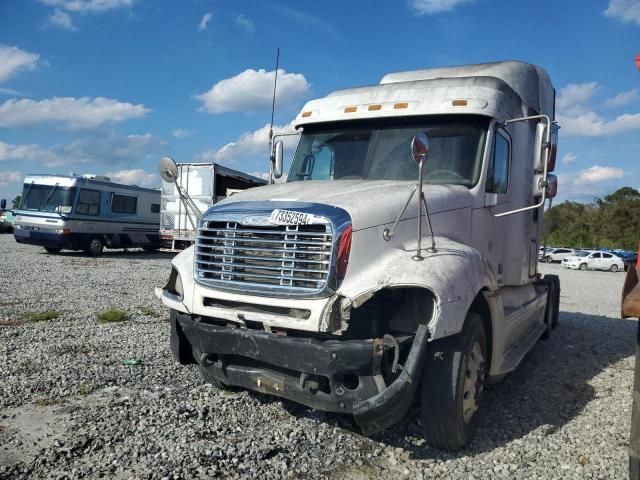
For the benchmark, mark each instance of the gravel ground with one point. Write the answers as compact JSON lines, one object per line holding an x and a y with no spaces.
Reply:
{"x":70,"y":408}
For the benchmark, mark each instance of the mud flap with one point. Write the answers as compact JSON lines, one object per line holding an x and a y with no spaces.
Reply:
{"x":389,"y":406}
{"x":180,"y":347}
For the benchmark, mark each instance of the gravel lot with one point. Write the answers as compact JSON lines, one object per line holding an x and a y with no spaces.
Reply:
{"x":70,"y":408}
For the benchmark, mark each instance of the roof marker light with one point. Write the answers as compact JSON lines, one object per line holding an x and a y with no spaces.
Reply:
{"x":350,"y":109}
{"x":306,"y":114}
{"x":460,"y":102}
{"x":375,"y":107}
{"x":400,"y":105}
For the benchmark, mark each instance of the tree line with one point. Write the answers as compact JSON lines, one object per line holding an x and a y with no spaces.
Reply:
{"x":609,"y":222}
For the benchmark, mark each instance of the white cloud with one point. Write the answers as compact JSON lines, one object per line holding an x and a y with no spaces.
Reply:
{"x":206,"y":18}
{"x":623,"y":98}
{"x":574,"y":98}
{"x":569,"y":158}
{"x":627,"y":11}
{"x":181,"y":132}
{"x":13,"y":60}
{"x":597,"y":174}
{"x":10,"y":92}
{"x":9,"y":177}
{"x":87,"y":6}
{"x":250,"y":144}
{"x":591,"y":124}
{"x":252,"y":90}
{"x":75,"y":113}
{"x":135,"y":176}
{"x":96,"y":149}
{"x":262,"y":175}
{"x":61,"y":19}
{"x":245,"y":23}
{"x":430,"y":7}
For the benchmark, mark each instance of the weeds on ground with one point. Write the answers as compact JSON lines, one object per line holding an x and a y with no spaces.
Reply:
{"x":44,"y":315}
{"x":84,"y":389}
{"x":111,"y":315}
{"x":148,"y":311}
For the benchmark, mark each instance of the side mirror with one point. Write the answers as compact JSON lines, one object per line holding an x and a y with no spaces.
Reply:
{"x":539,"y":150}
{"x":3,"y":204}
{"x":552,"y":186}
{"x":276,"y":158}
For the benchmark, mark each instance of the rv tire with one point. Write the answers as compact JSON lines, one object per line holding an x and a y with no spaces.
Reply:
{"x":95,"y":247}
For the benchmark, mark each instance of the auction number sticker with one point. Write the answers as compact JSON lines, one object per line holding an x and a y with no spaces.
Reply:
{"x":289,"y":217}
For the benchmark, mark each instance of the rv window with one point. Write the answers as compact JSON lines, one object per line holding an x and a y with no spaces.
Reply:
{"x":155,"y":208}
{"x":88,"y":202}
{"x":123,"y":203}
{"x":498,"y":170}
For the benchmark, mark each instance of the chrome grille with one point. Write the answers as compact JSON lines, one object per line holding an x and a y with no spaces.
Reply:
{"x":256,"y":258}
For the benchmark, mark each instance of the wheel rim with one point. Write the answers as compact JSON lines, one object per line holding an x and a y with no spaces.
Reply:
{"x":473,"y":382}
{"x":583,"y":267}
{"x":95,"y":246}
{"x":614,"y":268}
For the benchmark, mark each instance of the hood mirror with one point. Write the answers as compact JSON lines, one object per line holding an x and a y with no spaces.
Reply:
{"x":552,"y":186}
{"x":420,"y":147}
{"x":276,"y":159}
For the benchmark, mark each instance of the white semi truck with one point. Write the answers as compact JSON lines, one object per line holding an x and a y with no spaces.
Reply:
{"x":398,"y":259}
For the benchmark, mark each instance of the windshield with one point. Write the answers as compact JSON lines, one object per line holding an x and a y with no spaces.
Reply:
{"x":47,"y":198}
{"x":375,"y":151}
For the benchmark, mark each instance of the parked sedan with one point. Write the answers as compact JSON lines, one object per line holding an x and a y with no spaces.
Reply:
{"x":556,"y":254}
{"x":593,"y":260}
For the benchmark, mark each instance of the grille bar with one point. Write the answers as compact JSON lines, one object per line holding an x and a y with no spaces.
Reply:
{"x":293,"y":259}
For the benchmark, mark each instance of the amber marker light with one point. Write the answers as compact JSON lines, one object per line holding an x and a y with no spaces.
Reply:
{"x":306,"y":114}
{"x":350,"y":109}
{"x":400,"y":105}
{"x":375,"y":107}
{"x":459,"y":103}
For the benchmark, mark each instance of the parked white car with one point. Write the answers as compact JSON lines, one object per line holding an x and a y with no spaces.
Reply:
{"x":556,"y":254}
{"x":593,"y":260}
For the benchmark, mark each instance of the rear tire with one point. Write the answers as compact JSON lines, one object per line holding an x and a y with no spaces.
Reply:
{"x":52,"y":249}
{"x":95,"y":247}
{"x":613,"y":268}
{"x":583,"y":266}
{"x":552,"y":308}
{"x":452,"y":382}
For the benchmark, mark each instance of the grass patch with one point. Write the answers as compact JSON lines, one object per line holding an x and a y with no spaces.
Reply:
{"x":111,"y":315}
{"x":148,"y":311}
{"x":84,"y":389}
{"x":42,"y":316}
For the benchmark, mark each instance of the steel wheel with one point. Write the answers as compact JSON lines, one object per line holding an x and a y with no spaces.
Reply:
{"x":614,"y":268}
{"x":473,"y":382}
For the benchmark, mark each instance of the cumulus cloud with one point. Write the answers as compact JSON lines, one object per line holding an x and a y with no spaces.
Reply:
{"x":245,"y":23}
{"x":569,"y":158}
{"x":430,"y":7}
{"x":627,"y":11}
{"x":74,"y":113}
{"x":597,"y":174}
{"x":574,"y":98}
{"x":14,"y":60}
{"x":61,"y":19}
{"x":262,"y":175}
{"x":623,"y":99}
{"x":135,"y":176}
{"x":252,"y":90}
{"x":204,"y":22}
{"x":250,"y":144}
{"x":97,"y":149}
{"x":9,"y":177}
{"x":181,"y":132}
{"x":591,"y":124}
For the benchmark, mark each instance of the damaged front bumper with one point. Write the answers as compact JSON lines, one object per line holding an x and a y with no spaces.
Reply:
{"x":323,"y":373}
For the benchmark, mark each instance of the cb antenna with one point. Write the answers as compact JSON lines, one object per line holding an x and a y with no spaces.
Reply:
{"x":273,"y":109}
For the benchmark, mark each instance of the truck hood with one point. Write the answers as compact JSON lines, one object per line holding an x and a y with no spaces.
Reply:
{"x":369,"y":202}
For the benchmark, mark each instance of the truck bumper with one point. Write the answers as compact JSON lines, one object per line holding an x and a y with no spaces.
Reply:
{"x":42,"y":238}
{"x":329,"y":375}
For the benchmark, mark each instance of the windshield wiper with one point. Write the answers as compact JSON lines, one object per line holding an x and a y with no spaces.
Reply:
{"x":46,"y":200}
{"x":23,"y":201}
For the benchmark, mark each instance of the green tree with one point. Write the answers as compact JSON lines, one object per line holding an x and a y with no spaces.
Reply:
{"x":16,"y":201}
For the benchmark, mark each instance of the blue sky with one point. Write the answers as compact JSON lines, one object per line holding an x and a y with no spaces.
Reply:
{"x":110,"y":86}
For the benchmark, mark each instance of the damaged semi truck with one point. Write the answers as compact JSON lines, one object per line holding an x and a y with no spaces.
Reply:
{"x":399,"y":258}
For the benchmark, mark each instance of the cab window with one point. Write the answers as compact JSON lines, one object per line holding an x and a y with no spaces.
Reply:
{"x":88,"y":202}
{"x":498,"y":170}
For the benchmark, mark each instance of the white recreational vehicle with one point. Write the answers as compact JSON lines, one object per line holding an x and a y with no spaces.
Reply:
{"x":86,"y":212}
{"x":204,"y":184}
{"x":398,"y":259}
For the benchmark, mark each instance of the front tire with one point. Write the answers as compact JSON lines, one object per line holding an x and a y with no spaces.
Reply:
{"x":95,"y":247}
{"x":583,"y":266}
{"x":52,"y":249}
{"x":452,"y":384}
{"x":613,"y":268}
